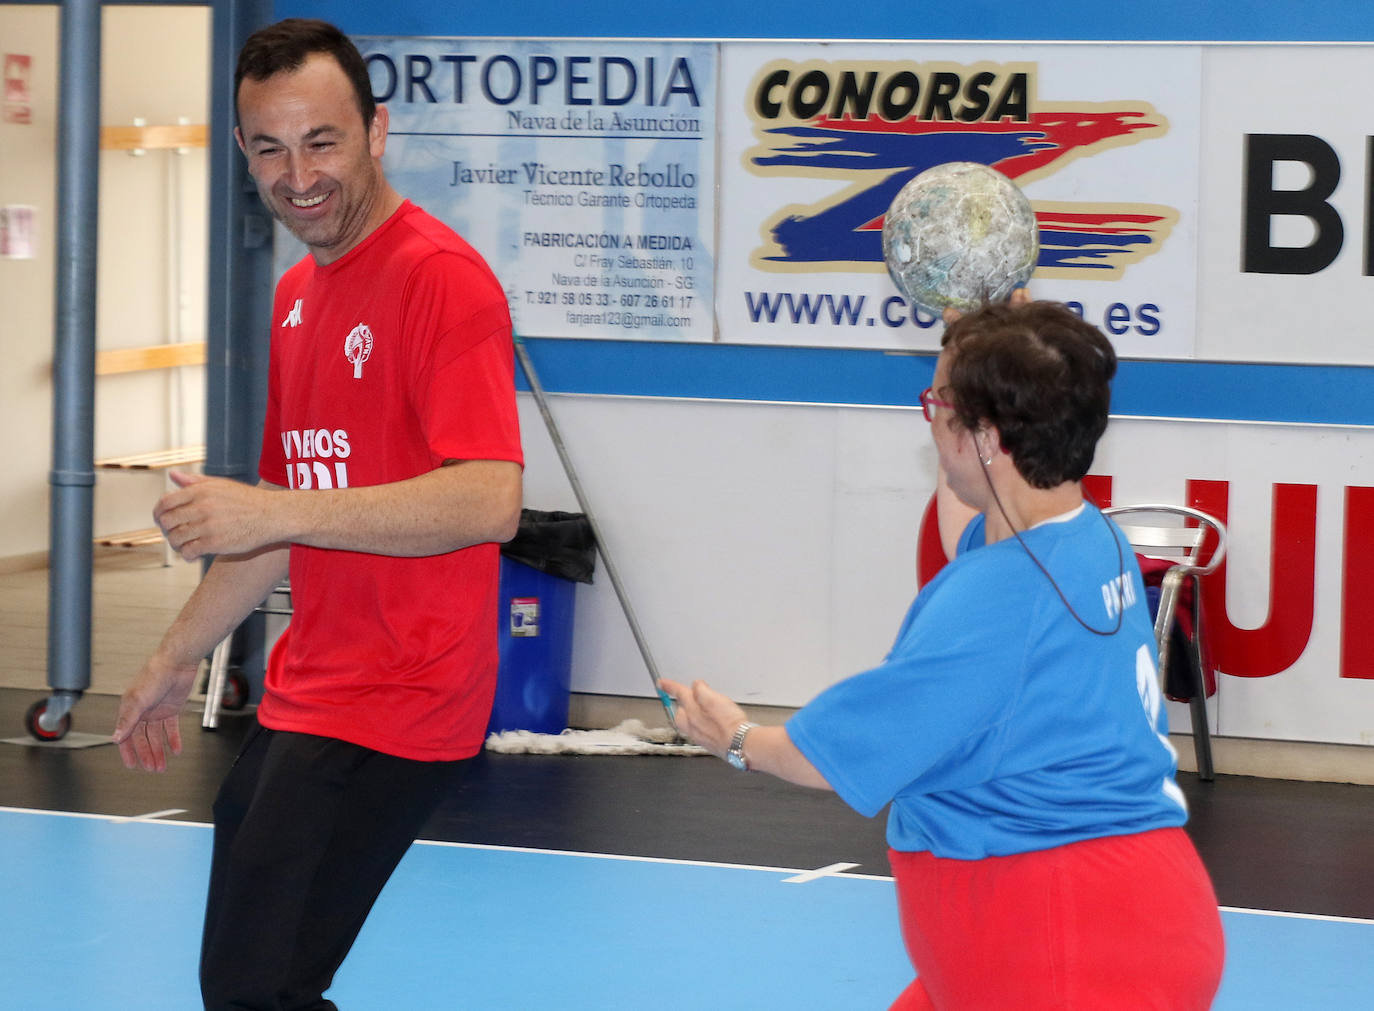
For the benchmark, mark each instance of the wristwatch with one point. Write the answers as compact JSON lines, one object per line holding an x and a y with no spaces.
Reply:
{"x":735,"y":754}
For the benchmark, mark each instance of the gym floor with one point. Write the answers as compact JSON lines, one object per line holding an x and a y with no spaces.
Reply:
{"x":598,"y":882}
{"x":568,"y":882}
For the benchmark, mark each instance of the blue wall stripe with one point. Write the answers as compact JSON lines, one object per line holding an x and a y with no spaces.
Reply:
{"x":1223,"y":391}
{"x":1137,"y":20}
{"x":729,"y":372}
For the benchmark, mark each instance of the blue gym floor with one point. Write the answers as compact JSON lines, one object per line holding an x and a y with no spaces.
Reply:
{"x":104,"y":912}
{"x":558,"y":883}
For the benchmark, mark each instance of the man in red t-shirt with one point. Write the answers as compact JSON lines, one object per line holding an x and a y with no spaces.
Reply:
{"x":390,"y":470}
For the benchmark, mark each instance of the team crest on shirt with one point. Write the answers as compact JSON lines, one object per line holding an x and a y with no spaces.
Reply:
{"x":358,"y":348}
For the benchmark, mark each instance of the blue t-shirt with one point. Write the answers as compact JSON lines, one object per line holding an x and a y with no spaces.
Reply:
{"x":998,"y":724}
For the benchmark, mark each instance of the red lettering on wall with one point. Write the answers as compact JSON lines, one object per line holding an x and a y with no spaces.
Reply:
{"x":1357,"y":585}
{"x":1099,"y":490}
{"x":1275,"y":645}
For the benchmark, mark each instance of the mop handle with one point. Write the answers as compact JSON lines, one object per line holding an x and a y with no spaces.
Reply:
{"x":538,"y":390}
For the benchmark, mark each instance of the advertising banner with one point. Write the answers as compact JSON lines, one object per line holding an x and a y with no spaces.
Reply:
{"x":817,"y":140}
{"x":1287,"y":247}
{"x":1190,"y":202}
{"x":583,"y":171}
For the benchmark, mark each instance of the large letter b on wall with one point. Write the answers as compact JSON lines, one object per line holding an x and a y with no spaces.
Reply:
{"x":1263,"y":203}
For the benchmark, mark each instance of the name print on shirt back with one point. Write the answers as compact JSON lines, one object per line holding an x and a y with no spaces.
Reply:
{"x":1118,"y":594}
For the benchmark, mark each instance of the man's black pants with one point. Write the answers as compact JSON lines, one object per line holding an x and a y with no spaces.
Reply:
{"x":307,"y":831}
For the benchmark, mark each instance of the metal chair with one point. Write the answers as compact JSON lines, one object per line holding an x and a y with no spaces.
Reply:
{"x":220,"y":677}
{"x":1179,"y":534}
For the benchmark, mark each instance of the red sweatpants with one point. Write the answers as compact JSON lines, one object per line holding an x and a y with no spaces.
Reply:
{"x":1122,"y":922}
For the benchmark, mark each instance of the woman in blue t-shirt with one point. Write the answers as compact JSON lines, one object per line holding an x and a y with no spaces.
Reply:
{"x":1016,"y":728}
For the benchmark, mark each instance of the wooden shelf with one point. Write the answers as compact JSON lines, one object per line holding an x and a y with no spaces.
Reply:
{"x":147,"y":138}
{"x":157,"y":459}
{"x":131,"y":538}
{"x":156,"y":356}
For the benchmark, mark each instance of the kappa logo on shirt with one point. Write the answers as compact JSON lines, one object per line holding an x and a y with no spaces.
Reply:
{"x":293,"y":318}
{"x":358,"y":348}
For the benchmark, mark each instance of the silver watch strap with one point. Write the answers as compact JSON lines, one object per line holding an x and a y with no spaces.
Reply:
{"x":736,"y":750}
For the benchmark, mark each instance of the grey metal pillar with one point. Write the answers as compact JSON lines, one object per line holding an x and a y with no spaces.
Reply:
{"x":73,"y":470}
{"x":239,"y":289}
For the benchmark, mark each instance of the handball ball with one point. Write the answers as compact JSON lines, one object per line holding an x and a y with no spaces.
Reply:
{"x":960,"y":235}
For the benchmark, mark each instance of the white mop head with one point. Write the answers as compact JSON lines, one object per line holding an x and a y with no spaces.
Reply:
{"x":628,"y":738}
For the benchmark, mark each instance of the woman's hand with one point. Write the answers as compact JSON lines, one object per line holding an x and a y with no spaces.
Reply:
{"x":1019,"y":296}
{"x":704,"y":716}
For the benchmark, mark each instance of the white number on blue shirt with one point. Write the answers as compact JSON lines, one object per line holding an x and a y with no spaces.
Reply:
{"x":1147,"y":684}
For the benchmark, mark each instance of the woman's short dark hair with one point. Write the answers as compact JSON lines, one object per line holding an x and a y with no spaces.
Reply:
{"x":286,"y":45}
{"x":1039,"y":374}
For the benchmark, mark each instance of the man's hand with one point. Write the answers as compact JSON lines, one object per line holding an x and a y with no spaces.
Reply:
{"x":214,"y":516}
{"x":146,"y":726}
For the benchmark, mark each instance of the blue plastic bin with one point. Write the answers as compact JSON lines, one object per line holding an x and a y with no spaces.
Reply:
{"x":535,"y":615}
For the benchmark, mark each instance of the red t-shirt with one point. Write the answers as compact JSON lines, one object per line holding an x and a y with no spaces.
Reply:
{"x":385,"y":363}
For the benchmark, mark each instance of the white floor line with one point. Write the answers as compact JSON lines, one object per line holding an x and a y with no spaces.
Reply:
{"x":1298,"y":916}
{"x":793,"y":871}
{"x":829,"y":871}
{"x":116,"y":819}
{"x":153,"y":816}
{"x":638,"y":859}
{"x":491,"y":846}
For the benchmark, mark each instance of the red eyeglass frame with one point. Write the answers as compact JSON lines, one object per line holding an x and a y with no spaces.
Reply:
{"x":928,"y":400}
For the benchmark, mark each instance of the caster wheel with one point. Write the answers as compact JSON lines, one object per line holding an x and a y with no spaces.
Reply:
{"x":235,"y":695}
{"x":36,"y":731}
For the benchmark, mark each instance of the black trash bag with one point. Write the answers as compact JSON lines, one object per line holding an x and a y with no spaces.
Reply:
{"x":1183,"y":678}
{"x":560,"y":544}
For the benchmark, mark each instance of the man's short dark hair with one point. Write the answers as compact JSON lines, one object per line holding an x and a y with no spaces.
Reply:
{"x":286,"y":45}
{"x":1042,"y":376}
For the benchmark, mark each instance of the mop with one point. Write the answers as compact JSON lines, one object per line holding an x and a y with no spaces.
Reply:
{"x":631,"y":736}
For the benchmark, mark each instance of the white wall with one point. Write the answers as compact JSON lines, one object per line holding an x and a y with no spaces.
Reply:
{"x":770,"y":549}
{"x":155,"y":65}
{"x":28,"y":176}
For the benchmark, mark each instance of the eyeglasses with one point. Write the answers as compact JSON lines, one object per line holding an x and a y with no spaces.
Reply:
{"x":928,"y":401}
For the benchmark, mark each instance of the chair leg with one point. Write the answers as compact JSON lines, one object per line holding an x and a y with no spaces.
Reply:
{"x":1202,"y":736}
{"x":1202,"y":733}
{"x":214,"y":690}
{"x":1197,"y":708}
